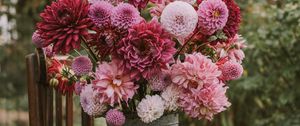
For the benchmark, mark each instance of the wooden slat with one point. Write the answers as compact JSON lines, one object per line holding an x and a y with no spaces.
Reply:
{"x":86,"y":120}
{"x":50,"y":108}
{"x":58,"y":109}
{"x":69,"y":109}
{"x":34,"y":118}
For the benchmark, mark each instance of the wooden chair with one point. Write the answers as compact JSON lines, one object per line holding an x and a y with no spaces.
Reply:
{"x":45,"y":104}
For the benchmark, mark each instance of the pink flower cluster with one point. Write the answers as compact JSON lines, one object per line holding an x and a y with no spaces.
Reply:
{"x":185,"y":54}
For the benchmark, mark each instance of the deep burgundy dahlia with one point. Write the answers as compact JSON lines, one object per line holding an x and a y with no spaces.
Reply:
{"x":234,"y":19}
{"x":63,"y":22}
{"x":146,"y":50}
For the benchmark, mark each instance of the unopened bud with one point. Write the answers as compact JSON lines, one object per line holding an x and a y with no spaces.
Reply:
{"x":53,"y":82}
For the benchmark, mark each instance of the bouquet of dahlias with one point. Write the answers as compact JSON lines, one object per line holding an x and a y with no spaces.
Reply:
{"x":146,"y":58}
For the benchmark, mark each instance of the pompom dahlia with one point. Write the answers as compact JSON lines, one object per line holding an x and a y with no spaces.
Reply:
{"x":179,"y":18}
{"x":63,"y":23}
{"x":206,"y":102}
{"x":196,"y":71}
{"x":124,"y":16}
{"x":115,"y":118}
{"x":213,"y":15}
{"x":100,"y":13}
{"x":89,"y":103}
{"x":37,"y":40}
{"x":114,"y":2}
{"x":170,"y":96}
{"x":82,"y":65}
{"x":113,"y":84}
{"x":146,"y":50}
{"x":150,"y":108}
{"x":160,"y":81}
{"x":231,"y":70}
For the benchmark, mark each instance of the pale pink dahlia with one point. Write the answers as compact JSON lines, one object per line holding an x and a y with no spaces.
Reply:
{"x":150,"y":108}
{"x":124,"y":16}
{"x":196,"y":71}
{"x":113,"y":84}
{"x":82,"y":65}
{"x":179,"y":18}
{"x":146,"y":50}
{"x":115,"y":118}
{"x":89,"y":102}
{"x":37,"y":40}
{"x":237,"y":55}
{"x":213,"y":15}
{"x":231,"y":70}
{"x":160,"y":81}
{"x":170,"y":96}
{"x":206,"y":102}
{"x":100,"y":13}
{"x":48,"y":51}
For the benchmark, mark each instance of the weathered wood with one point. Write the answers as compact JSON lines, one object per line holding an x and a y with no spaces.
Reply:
{"x":58,"y":109}
{"x":86,"y":120}
{"x":69,"y":109}
{"x":34,"y":119}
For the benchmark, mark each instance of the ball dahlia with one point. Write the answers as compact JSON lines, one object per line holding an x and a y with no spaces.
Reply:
{"x":170,"y":96}
{"x":100,"y":13}
{"x":63,"y":23}
{"x":204,"y":103}
{"x":113,"y":84}
{"x":196,"y":71}
{"x":179,"y":18}
{"x":213,"y":15}
{"x":115,"y":118}
{"x":150,"y":108}
{"x":146,"y":50}
{"x":231,"y":70}
{"x":89,"y":103}
{"x":82,"y":65}
{"x":124,"y":16}
{"x":37,"y":40}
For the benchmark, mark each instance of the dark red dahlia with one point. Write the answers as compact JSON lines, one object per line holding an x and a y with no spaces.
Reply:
{"x":234,"y":19}
{"x":146,"y":50}
{"x":63,"y":23}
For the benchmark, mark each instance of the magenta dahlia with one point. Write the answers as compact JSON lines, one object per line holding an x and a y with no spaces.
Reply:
{"x":82,"y":65}
{"x":146,"y":50}
{"x":63,"y":23}
{"x":100,"y":13}
{"x":195,"y":72}
{"x":113,"y":84}
{"x":213,"y":15}
{"x":115,"y":118}
{"x":124,"y":16}
{"x":37,"y":40}
{"x":204,"y":103}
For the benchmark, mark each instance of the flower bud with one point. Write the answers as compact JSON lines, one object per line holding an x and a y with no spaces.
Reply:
{"x":53,"y":82}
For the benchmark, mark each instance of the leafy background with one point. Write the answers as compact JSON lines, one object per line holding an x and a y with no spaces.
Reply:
{"x":268,"y":94}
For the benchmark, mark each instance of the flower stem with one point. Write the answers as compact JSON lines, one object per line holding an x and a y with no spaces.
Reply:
{"x":91,"y":53}
{"x":186,"y":43}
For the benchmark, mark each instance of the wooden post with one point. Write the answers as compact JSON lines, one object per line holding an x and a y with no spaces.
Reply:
{"x":69,"y":109}
{"x":58,"y":108}
{"x":86,"y":120}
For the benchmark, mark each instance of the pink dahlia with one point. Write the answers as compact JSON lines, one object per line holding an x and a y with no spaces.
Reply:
{"x":231,"y":70}
{"x":196,"y":71}
{"x":48,"y":51}
{"x":147,"y":49}
{"x":82,"y":65}
{"x":113,"y":2}
{"x":115,"y":118}
{"x":204,"y":103}
{"x":237,"y":55}
{"x":89,"y":103}
{"x":124,"y":16}
{"x":179,"y":18}
{"x":213,"y":15}
{"x":113,"y":84}
{"x":37,"y":40}
{"x":100,"y":13}
{"x":160,"y":81}
{"x":63,"y":23}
